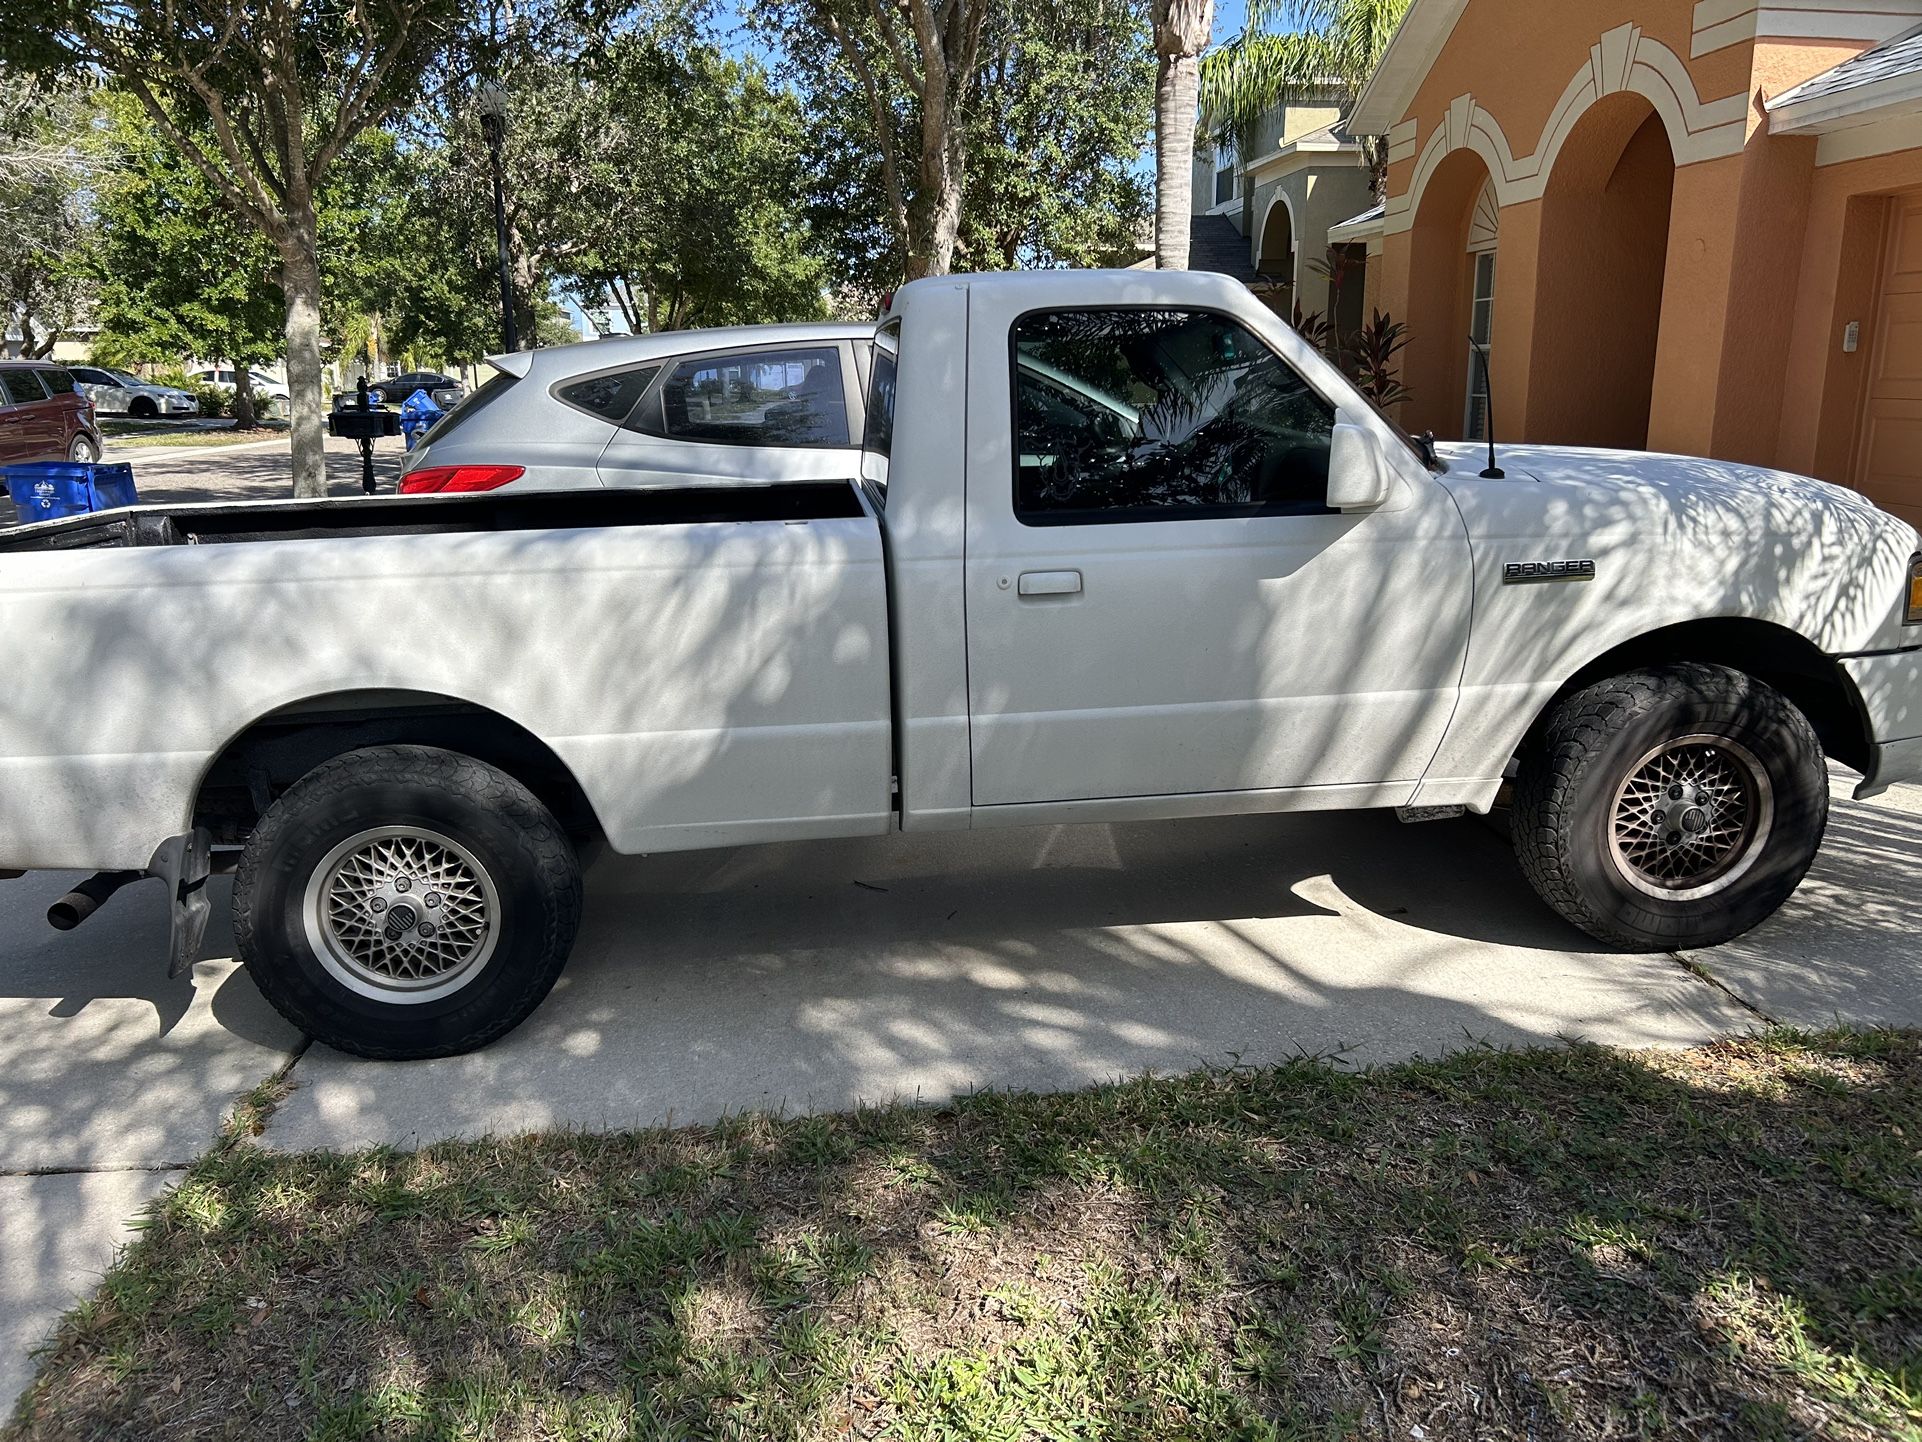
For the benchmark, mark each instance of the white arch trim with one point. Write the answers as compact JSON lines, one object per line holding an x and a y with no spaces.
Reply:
{"x":1280,"y":197}
{"x":1623,"y":61}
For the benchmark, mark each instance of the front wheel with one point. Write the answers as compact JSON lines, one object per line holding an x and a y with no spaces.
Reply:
{"x":82,"y":451}
{"x":405,"y":902}
{"x":1674,"y":807}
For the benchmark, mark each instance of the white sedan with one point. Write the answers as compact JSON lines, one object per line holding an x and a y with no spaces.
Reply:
{"x":263,"y":384}
{"x":121,"y":394}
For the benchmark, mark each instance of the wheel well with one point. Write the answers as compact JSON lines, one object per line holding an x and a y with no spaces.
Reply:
{"x":1773,"y":655}
{"x":281,"y":747}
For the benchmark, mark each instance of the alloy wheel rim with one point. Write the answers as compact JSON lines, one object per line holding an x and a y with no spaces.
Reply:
{"x":402,"y":914}
{"x":1691,"y":817}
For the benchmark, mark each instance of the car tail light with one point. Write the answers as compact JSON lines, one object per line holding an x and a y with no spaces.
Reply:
{"x":445,"y":480}
{"x":1913,"y":616}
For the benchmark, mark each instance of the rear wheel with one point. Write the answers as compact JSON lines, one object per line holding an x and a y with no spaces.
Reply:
{"x":1674,"y":807}
{"x":82,"y":450}
{"x":405,"y":901}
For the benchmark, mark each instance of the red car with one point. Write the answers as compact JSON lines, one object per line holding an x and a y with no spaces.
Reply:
{"x":42,"y":416}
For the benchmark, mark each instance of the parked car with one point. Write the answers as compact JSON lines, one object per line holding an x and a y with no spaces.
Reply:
{"x":120,"y":393}
{"x":1124,"y":546}
{"x":44,"y":416}
{"x":712,"y":407}
{"x":263,"y":384}
{"x":446,"y":391}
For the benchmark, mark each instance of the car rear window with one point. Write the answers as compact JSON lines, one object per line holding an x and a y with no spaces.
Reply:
{"x":611,"y":396}
{"x":780,"y":396}
{"x":479,"y":400}
{"x":20,"y":387}
{"x":56,"y":380}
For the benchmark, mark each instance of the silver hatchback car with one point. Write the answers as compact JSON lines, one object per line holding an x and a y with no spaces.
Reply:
{"x":680,"y":408}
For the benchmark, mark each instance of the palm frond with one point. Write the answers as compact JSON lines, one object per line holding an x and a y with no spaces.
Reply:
{"x":1253,"y":73}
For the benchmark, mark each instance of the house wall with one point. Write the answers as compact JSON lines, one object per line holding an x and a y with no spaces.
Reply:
{"x":1721,"y":262}
{"x":1315,"y":197}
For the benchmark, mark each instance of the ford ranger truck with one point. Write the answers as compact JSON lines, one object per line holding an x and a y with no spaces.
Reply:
{"x":1123,"y":546}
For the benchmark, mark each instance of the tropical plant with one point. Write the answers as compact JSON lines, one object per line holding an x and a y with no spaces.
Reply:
{"x":1313,"y":327}
{"x":1288,"y":48}
{"x":1376,"y":348}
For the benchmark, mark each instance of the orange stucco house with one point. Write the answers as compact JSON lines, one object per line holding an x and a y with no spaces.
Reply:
{"x":1681,"y":226}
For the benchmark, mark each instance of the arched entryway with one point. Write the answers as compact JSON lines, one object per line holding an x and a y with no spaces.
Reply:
{"x":1453,"y":228}
{"x":1603,"y":261}
{"x":1275,"y":256}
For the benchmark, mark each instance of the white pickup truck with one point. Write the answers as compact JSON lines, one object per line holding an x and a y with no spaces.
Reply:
{"x":1124,"y":547}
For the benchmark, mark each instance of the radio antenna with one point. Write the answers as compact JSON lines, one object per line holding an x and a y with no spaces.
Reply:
{"x":1494,"y":472}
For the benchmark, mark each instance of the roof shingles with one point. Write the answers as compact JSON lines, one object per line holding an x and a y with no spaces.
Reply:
{"x":1901,"y":56}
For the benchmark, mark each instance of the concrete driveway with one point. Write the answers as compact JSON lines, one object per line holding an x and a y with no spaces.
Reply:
{"x":821,"y":976}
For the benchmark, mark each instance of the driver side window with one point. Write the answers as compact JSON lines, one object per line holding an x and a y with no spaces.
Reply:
{"x":1159,"y":415}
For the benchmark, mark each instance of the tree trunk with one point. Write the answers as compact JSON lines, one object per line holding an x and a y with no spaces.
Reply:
{"x":300,"y":279}
{"x":243,"y":396}
{"x":1175,"y":80}
{"x":1182,"y":29}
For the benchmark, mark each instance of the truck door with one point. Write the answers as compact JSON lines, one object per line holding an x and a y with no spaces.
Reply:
{"x":1159,"y":600}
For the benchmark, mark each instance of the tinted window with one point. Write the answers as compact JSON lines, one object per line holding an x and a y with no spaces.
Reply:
{"x":878,"y":439}
{"x":94,"y":377}
{"x":611,"y":397}
{"x":57,"y":382}
{"x":787,"y":397}
{"x":20,"y":387}
{"x":1161,"y":415}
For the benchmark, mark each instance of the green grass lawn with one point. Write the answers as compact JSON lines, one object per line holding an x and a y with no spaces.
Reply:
{"x":128,"y":435}
{"x":1543,"y":1244}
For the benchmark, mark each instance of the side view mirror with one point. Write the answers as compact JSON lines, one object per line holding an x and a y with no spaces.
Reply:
{"x":1359,"y":477}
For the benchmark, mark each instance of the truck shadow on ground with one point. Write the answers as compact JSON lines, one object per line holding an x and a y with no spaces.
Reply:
{"x":824,"y":975}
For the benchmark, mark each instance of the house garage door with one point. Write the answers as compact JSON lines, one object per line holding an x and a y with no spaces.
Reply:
{"x":1890,"y":469}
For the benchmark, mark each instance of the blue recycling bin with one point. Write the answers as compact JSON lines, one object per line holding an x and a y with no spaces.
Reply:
{"x":48,"y":490}
{"x":417,"y":416}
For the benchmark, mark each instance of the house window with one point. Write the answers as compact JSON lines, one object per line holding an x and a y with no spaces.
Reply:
{"x":1481,"y":325}
{"x":1224,"y":175}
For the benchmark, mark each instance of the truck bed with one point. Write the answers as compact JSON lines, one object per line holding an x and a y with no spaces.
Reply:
{"x":336,"y":517}
{"x":711,"y":665}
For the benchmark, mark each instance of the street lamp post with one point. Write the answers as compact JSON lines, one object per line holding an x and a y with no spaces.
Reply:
{"x":493,"y":117}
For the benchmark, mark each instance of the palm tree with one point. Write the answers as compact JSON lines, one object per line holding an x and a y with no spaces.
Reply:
{"x":1182,"y":30}
{"x":1289,"y":47}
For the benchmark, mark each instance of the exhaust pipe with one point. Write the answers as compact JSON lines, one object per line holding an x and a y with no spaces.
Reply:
{"x":87,"y":898}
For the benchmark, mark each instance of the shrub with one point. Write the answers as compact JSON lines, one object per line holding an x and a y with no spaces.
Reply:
{"x":1378,"y":345}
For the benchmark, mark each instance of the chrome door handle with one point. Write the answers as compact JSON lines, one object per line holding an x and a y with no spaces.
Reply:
{"x":1050,"y":583}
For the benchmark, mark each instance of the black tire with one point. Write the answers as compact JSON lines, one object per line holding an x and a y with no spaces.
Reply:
{"x":1592,"y":798}
{"x":519,"y":855}
{"x":142,"y":408}
{"x":83,"y":450}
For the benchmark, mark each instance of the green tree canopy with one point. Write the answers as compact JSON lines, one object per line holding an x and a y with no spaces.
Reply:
{"x":50,"y":154}
{"x":177,"y":272}
{"x":1055,"y":137}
